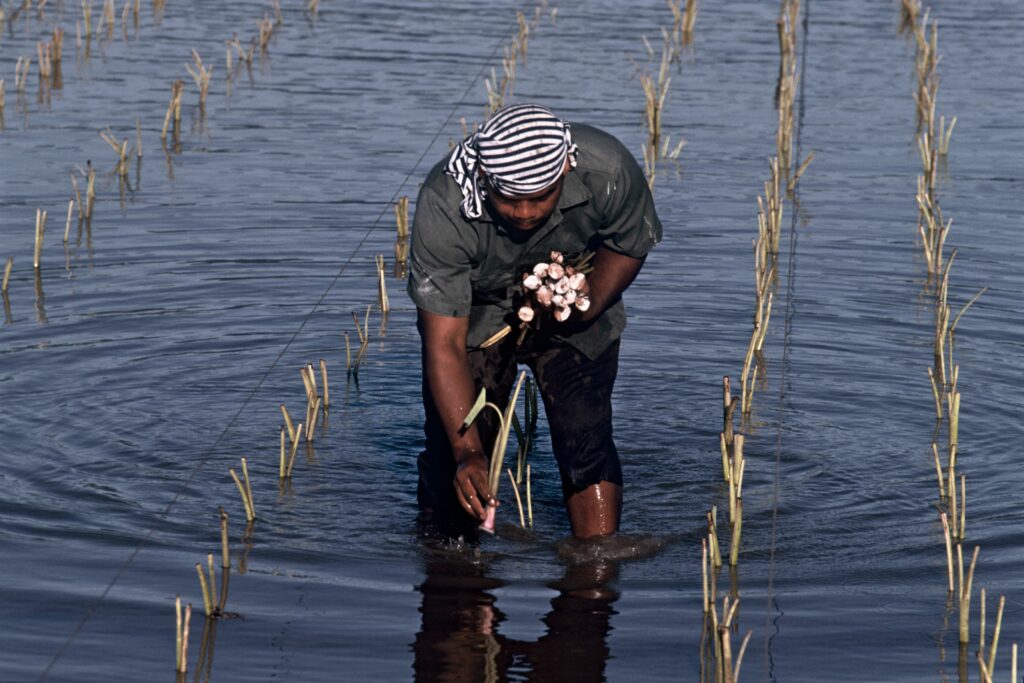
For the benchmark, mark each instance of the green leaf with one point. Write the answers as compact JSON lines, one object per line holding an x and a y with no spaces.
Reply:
{"x":481,"y":401}
{"x":517,"y":427}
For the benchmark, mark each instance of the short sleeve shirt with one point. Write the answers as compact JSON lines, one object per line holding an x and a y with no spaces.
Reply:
{"x":460,"y":267}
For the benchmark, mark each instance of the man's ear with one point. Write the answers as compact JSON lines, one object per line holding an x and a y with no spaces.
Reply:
{"x":568,"y":167}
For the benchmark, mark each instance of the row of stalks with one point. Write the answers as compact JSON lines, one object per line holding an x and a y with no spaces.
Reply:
{"x":933,"y":145}
{"x":214,"y":591}
{"x":717,"y":665}
{"x":291,"y":434}
{"x":85,"y":207}
{"x":50,"y":57}
{"x":499,"y":90}
{"x":781,"y":184}
{"x":673,"y":41}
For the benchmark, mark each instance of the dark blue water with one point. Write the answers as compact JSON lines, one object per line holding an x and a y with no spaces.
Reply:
{"x":166,"y":335}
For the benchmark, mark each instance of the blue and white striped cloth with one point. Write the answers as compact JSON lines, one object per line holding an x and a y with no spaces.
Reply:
{"x":521,"y":149}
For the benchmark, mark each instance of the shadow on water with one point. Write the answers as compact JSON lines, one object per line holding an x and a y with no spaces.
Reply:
{"x":460,"y":636}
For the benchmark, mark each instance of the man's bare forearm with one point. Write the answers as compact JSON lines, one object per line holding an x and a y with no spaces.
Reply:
{"x":452,"y":391}
{"x":449,"y":381}
{"x":612,"y":274}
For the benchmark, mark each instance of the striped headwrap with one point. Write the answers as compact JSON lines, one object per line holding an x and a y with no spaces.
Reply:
{"x":521,"y":149}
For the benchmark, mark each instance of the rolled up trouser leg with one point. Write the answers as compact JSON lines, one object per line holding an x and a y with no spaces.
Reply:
{"x":577,"y":393}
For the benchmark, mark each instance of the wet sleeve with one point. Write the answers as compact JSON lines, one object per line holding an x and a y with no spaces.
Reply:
{"x":631,"y":226}
{"x":439,"y":258}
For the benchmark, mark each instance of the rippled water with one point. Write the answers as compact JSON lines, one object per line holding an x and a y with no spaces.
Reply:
{"x":165,"y":336}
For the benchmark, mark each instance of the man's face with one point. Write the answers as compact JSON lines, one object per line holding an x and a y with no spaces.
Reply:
{"x":529,"y":211}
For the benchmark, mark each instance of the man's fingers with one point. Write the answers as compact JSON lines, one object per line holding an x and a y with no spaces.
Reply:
{"x":470,"y":500}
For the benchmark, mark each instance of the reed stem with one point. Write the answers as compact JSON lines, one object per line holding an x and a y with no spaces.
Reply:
{"x":981,"y":621}
{"x":207,"y":601}
{"x":311,"y":425}
{"x":288,"y":422}
{"x":949,"y":550}
{"x":250,"y":512}
{"x":737,"y":528}
{"x":938,"y":470}
{"x":965,"y":599}
{"x":201,"y":75}
{"x":177,"y":633}
{"x":225,"y":549}
{"x":382,"y":288}
{"x":519,"y":501}
{"x":704,"y":572}
{"x":291,"y":455}
{"x":67,"y":223}
{"x":184,"y":638}
{"x":995,"y":636}
{"x":348,"y":354}
{"x":40,"y":230}
{"x":529,"y":497}
{"x":323,"y":376}
{"x":283,"y":463}
{"x":716,"y":554}
{"x":963,"y":506}
{"x":7,"y":274}
{"x":213,"y":581}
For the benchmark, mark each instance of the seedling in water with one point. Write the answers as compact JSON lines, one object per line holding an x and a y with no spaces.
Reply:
{"x":500,"y":441}
{"x":181,"y":663}
{"x":245,"y":491}
{"x":201,"y":75}
{"x":40,"y":229}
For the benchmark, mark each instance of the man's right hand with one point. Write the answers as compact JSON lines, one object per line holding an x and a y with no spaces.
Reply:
{"x":471,"y":485}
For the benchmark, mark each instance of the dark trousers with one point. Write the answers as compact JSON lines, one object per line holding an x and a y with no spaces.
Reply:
{"x":577,"y":393}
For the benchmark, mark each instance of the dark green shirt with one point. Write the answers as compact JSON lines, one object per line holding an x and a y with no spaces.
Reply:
{"x":460,"y":267}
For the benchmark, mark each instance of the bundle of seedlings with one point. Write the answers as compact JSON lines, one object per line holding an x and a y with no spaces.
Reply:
{"x":555,"y":286}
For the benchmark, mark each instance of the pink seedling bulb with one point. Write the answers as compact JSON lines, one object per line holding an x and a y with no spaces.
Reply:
{"x":562,"y":314}
{"x":556,"y":271}
{"x":558,"y":301}
{"x":526,"y":314}
{"x":570,"y":297}
{"x":561,"y":286}
{"x":531,"y":282}
{"x":576,"y":280}
{"x":582,"y":303}
{"x":556,"y":257}
{"x":488,"y":523}
{"x":540,"y":270}
{"x":544,"y":295}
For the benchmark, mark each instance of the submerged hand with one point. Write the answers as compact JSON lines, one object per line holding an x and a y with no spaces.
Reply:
{"x":471,"y":488}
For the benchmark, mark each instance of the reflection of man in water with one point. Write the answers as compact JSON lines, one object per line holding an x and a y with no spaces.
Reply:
{"x":520,"y":187}
{"x":459,"y":638}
